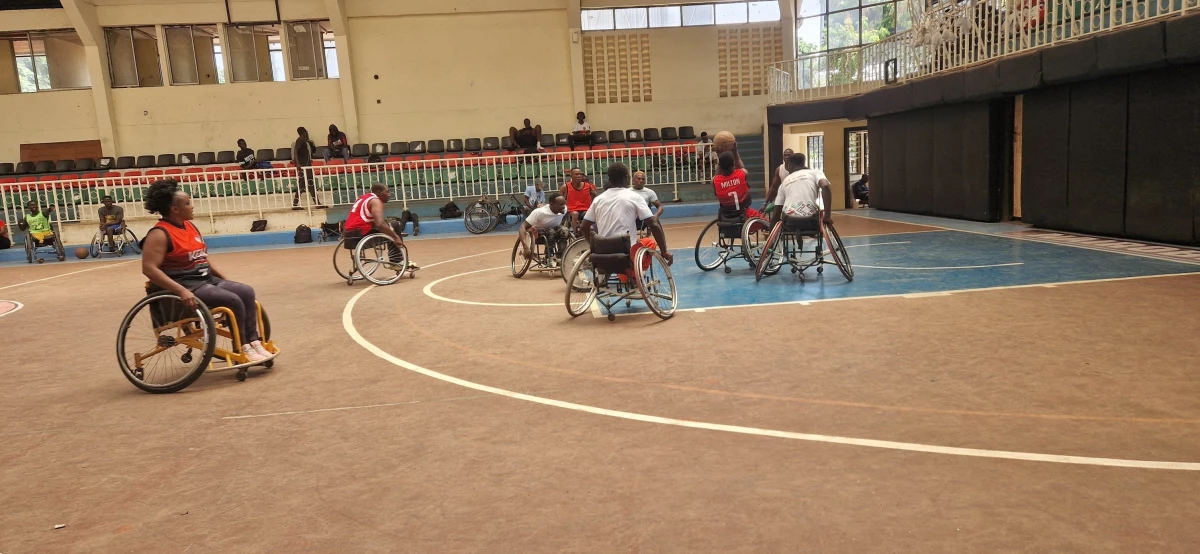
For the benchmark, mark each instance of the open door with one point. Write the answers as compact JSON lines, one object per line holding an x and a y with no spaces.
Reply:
{"x":857,"y":156}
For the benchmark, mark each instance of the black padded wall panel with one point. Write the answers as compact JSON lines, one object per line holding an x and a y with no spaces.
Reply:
{"x":889,"y":143}
{"x":948,"y":143}
{"x":1046,"y":137}
{"x":1096,"y":156}
{"x":1183,"y":39}
{"x":919,"y":162}
{"x":982,"y":81}
{"x":1133,"y":49}
{"x":1020,"y":73}
{"x":979,"y":184}
{"x":1068,"y":62}
{"x":1164,"y":155}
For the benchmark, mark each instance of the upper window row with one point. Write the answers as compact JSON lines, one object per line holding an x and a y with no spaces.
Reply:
{"x":42,"y":60}
{"x":655,"y":17}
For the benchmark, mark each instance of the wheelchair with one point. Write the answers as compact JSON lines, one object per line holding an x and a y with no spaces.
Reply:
{"x":163,"y":346}
{"x":546,"y":255}
{"x":729,"y":237}
{"x":373,"y":257}
{"x":785,"y":245}
{"x":51,"y":242}
{"x":125,"y":239}
{"x":609,"y":275}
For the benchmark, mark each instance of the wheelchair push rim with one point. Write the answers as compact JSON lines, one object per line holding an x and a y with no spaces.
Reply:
{"x":581,"y":287}
{"x":162,"y":346}
{"x":770,"y":261}
{"x":377,"y":261}
{"x":710,"y":254}
{"x":754,"y":236}
{"x":837,"y":251}
{"x":570,"y":255}
{"x":656,"y":283}
{"x":520,"y":264}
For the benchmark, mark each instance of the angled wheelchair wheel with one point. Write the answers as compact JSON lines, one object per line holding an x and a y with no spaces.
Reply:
{"x":837,"y":251}
{"x":478,"y":219}
{"x":570,"y":256}
{"x":59,"y":251}
{"x":709,"y":252}
{"x":772,"y":255}
{"x":343,"y":263}
{"x":581,"y":287}
{"x":97,"y":243}
{"x":655,"y":282}
{"x":520,"y":264}
{"x":162,"y":346}
{"x":381,"y":261}
{"x":754,"y":236}
{"x":29,"y":248}
{"x":132,"y":240}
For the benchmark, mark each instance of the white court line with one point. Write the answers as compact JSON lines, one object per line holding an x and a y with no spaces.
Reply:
{"x":856,"y":266}
{"x":348,"y":324}
{"x":872,"y":244}
{"x":428,"y":290}
{"x":14,"y":310}
{"x":105,"y":266}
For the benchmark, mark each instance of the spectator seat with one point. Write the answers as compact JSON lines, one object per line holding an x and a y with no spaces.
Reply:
{"x":226,"y":157}
{"x":399,"y":148}
{"x":687,"y":133}
{"x":64,"y":165}
{"x":283,"y":154}
{"x":380,"y":149}
{"x":206,"y":158}
{"x":265,"y":155}
{"x":165,"y":160}
{"x":186,"y":158}
{"x":360,"y":150}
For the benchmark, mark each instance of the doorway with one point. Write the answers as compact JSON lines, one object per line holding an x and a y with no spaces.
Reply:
{"x":858,"y":156}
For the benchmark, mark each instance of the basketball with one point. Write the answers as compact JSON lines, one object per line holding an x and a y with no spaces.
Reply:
{"x":724,"y":142}
{"x":81,"y":252}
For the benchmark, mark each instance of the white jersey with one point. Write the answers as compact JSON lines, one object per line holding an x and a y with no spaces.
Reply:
{"x":616,"y":212}
{"x":800,"y":193}
{"x":544,"y":218}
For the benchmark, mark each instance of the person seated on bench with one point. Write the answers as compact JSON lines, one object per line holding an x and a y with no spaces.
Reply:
{"x":527,"y":139}
{"x":732,"y":188}
{"x":547,"y":221}
{"x":366,"y":217}
{"x":803,"y":193}
{"x":617,"y":211}
{"x":581,"y":133}
{"x":37,"y":223}
{"x":112,"y":221}
{"x":862,"y":189}
{"x":247,"y":159}
{"x":337,"y":145}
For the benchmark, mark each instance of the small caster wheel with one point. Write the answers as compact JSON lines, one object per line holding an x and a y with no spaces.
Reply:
{"x":628,"y":303}
{"x":350,"y":282}
{"x":41,"y":261}
{"x":269,"y":363}
{"x":820,"y":270}
{"x":62,"y":258}
{"x":241,"y":375}
{"x":139,"y":374}
{"x":612,"y":317}
{"x":794,"y":270}
{"x":728,"y":270}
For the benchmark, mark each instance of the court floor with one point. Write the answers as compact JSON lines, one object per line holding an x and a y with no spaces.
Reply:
{"x":975,"y":388}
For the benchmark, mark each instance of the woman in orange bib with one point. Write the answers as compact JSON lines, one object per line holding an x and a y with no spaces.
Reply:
{"x":175,"y":258}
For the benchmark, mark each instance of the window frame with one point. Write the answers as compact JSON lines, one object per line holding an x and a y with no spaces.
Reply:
{"x":317,"y":44}
{"x":680,"y":9}
{"x":130,"y":29}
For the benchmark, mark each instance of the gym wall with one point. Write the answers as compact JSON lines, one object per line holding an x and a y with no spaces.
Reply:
{"x":1117,"y":156}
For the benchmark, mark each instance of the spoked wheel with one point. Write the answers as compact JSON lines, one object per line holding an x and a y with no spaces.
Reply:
{"x":754,"y":237}
{"x":265,"y":331}
{"x":656,"y":283}
{"x":133,"y":241}
{"x":29,"y":248}
{"x":97,"y":243}
{"x":162,"y":346}
{"x":709,"y":252}
{"x":837,"y":250}
{"x":581,"y":287}
{"x":570,"y":256}
{"x":59,"y":251}
{"x":479,"y":219}
{"x":343,"y":263}
{"x":772,"y":255}
{"x":497,"y":217}
{"x":381,"y":261}
{"x":520,"y":264}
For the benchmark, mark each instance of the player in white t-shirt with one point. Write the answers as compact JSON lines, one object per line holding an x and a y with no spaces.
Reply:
{"x":651,"y":197}
{"x":546,"y":220}
{"x":617,"y":211}
{"x":804,"y":193}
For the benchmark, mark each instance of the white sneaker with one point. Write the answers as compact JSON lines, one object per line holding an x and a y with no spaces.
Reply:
{"x":253,"y":355}
{"x":262,"y":350}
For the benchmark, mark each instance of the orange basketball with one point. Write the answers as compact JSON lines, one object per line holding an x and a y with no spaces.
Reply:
{"x":724,"y":142}
{"x":81,"y":252}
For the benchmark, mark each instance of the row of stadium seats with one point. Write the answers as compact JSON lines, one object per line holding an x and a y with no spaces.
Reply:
{"x":650,"y":137}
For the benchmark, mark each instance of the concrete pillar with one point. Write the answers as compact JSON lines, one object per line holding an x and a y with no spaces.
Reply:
{"x":787,"y":18}
{"x":341,"y":37}
{"x":83,"y":17}
{"x":575,"y":40}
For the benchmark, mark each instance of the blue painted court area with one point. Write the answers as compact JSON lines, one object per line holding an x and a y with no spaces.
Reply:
{"x":913,"y":263}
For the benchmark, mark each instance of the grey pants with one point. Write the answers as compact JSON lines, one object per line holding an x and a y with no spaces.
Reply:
{"x":239,"y":298}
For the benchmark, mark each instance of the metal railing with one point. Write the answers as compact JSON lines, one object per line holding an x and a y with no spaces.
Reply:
{"x":216,"y":191}
{"x":945,"y":39}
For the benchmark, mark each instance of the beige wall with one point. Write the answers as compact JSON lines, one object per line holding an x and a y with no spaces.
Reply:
{"x":472,"y":80}
{"x":684,"y":77}
{"x":10,"y":82}
{"x":34,"y":20}
{"x":111,"y":13}
{"x":68,"y":63}
{"x":212,"y":118}
{"x":835,"y":151}
{"x":53,"y":116}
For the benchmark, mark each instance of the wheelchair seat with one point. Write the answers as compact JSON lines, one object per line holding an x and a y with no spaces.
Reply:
{"x":611,"y":254}
{"x":730,"y":223}
{"x":803,"y":226}
{"x":350,"y":239}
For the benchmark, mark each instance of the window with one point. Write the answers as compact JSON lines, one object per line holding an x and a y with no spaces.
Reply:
{"x":219,"y":61}
{"x":133,"y":57}
{"x":858,"y":154}
{"x":731,"y":13}
{"x":331,"y":62}
{"x":192,"y":55}
{"x":666,"y":16}
{"x":255,"y":53}
{"x":688,"y":15}
{"x":698,"y":15}
{"x":763,"y":11}
{"x":307,"y":49}
{"x":42,"y":60}
{"x":816,"y":152}
{"x":823,"y":25}
{"x":597,"y":20}
{"x":631,"y":18}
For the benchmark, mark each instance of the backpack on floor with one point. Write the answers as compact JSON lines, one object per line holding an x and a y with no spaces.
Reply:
{"x":258,"y":226}
{"x":303,"y":234}
{"x":450,"y":211}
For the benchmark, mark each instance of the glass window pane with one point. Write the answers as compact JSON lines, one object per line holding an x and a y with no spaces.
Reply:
{"x":810,"y":35}
{"x":631,"y":18}
{"x":245,"y":45}
{"x":805,"y":8}
{"x":145,"y":53}
{"x":26,"y":74}
{"x":843,"y":29}
{"x":878,"y":23}
{"x":667,"y":16}
{"x":839,"y":5}
{"x":731,"y":13}
{"x":120,"y":57}
{"x":303,"y":44}
{"x":764,"y":11}
{"x":275,"y":49}
{"x":331,"y":62}
{"x":43,"y":72}
{"x":698,"y":15}
{"x":597,"y":20}
{"x":181,"y":56}
{"x":903,"y":17}
{"x":219,"y":62}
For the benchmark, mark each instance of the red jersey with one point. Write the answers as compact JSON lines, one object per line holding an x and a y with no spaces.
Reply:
{"x":732,"y":191}
{"x":579,"y":200}
{"x":187,"y":255}
{"x":360,"y":218}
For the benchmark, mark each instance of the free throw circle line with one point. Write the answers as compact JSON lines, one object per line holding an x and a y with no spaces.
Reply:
{"x":348,"y":325}
{"x":16,"y":306}
{"x":428,"y":290}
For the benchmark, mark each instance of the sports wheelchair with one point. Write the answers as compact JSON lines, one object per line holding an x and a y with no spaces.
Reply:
{"x":547,"y":256}
{"x":124,"y":239}
{"x":163,"y":346}
{"x":731,"y":236}
{"x":373,"y":257}
{"x":51,"y":242}
{"x":785,"y":245}
{"x":609,"y":274}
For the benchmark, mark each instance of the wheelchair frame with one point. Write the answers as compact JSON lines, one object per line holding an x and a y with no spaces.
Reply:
{"x":214,"y":334}
{"x":609,"y":289}
{"x":793,"y":245}
{"x":125,"y":238}
{"x":32,"y":246}
{"x":541,"y":261}
{"x":374,"y":252}
{"x":731,"y":250}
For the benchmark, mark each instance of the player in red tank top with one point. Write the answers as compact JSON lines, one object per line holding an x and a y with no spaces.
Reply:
{"x":733,"y":188}
{"x":579,"y":195}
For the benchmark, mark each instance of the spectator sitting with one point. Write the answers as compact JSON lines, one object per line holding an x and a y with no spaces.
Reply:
{"x":582,"y":132}
{"x":112,"y":220}
{"x":535,"y":196}
{"x":704,"y":149}
{"x":527,"y":139}
{"x":861,"y":190}
{"x":247,"y":159}
{"x":337,"y":145}
{"x":5,"y":241}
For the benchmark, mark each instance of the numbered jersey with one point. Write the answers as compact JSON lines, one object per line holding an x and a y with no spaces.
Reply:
{"x":733,"y":192}
{"x":360,"y":218}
